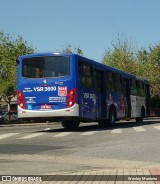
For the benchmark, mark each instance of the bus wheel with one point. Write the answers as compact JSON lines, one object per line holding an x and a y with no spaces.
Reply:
{"x":140,"y":119}
{"x":112,"y":117}
{"x":70,"y":125}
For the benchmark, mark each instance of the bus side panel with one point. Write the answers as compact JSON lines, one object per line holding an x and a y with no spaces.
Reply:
{"x":85,"y":90}
{"x":137,"y":102}
{"x":100,"y":88}
{"x":87,"y":104}
{"x":117,"y":100}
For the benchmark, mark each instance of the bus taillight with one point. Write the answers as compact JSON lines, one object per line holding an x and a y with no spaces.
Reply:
{"x":20,"y":99}
{"x":71,"y":98}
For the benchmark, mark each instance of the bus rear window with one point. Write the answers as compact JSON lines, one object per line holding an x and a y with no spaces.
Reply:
{"x":39,"y":67}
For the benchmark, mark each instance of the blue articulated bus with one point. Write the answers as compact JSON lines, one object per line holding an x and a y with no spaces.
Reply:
{"x":73,"y":89}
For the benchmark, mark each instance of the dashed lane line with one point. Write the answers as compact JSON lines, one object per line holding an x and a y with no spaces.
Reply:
{"x":89,"y":133}
{"x":139,"y":129}
{"x":62,"y":134}
{"x":7,"y":135}
{"x":116,"y":131}
{"x":157,"y":127}
{"x":32,"y":136}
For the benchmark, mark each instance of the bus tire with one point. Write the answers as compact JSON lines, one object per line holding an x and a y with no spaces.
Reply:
{"x":112,"y":117}
{"x":140,"y":119}
{"x":70,"y":125}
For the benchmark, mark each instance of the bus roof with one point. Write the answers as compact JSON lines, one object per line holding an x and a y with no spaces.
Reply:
{"x":96,"y":64}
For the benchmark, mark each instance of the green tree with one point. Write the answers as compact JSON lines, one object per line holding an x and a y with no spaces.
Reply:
{"x":154,"y":55}
{"x":154,"y":63}
{"x":149,"y":62}
{"x":142,"y":56}
{"x":143,"y":63}
{"x":121,"y":56}
{"x":67,"y":48}
{"x":7,"y":91}
{"x":10,"y":49}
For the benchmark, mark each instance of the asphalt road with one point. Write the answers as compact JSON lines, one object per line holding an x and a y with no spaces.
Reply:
{"x":49,"y":149}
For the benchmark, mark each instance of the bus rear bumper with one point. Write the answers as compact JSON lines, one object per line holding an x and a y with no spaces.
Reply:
{"x":62,"y":113}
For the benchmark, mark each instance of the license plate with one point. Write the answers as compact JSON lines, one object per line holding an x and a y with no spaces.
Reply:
{"x":45,"y":106}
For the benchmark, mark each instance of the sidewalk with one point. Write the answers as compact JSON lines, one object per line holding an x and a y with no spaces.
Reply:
{"x":114,"y":176}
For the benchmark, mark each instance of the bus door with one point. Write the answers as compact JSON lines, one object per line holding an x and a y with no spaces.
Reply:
{"x":100,"y":94}
{"x":126,"y":94}
{"x":137,"y":97}
{"x":86,"y":91}
{"x":147,"y":96}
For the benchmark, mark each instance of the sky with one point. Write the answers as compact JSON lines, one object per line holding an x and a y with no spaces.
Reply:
{"x":93,"y":25}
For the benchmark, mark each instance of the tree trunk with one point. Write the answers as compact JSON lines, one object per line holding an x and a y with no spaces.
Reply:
{"x":9,"y":112}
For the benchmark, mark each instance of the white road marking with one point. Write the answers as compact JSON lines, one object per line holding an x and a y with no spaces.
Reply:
{"x":116,"y":131}
{"x":139,"y":129}
{"x":7,"y":135}
{"x":47,"y":129}
{"x":62,"y":134}
{"x":32,"y":136}
{"x":89,"y":133}
{"x":157,"y":127}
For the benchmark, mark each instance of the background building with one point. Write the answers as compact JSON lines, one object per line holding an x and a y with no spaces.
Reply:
{"x":4,"y":105}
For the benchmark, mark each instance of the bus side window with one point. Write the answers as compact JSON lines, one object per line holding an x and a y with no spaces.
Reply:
{"x":110,"y":82}
{"x":98,"y":81}
{"x":85,"y":74}
{"x":124,"y":86}
{"x":140,"y":88}
{"x":133,"y":87}
{"x":117,"y":83}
